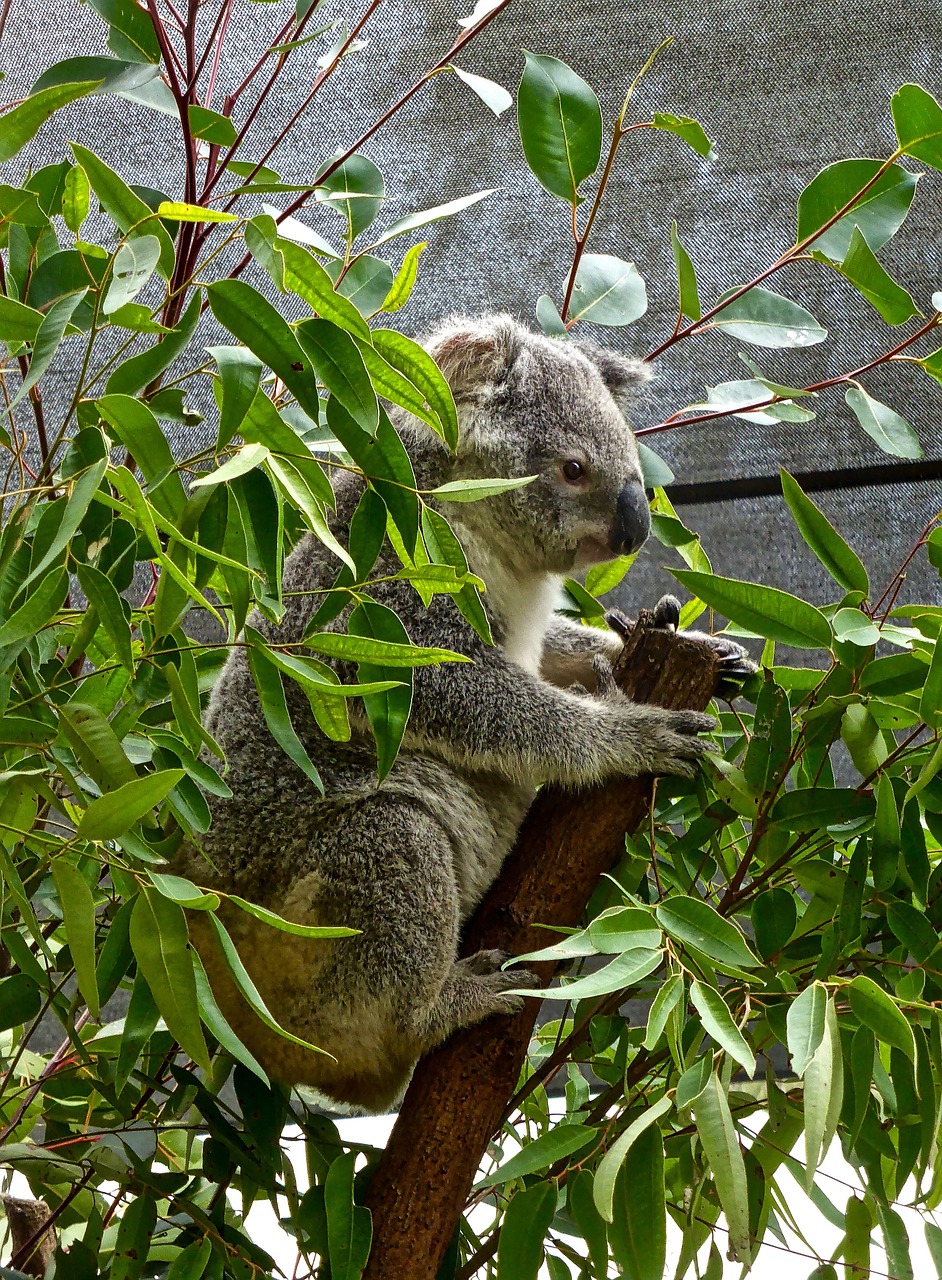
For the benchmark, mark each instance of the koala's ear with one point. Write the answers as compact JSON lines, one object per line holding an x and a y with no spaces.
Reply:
{"x":475,"y":353}
{"x":623,"y":375}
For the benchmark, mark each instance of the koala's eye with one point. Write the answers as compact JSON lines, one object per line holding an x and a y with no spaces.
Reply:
{"x":573,"y":471}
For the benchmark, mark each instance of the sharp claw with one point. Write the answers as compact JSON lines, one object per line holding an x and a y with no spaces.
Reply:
{"x":619,"y":622}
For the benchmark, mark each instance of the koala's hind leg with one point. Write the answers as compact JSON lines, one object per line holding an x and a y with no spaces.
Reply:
{"x":396,"y":989}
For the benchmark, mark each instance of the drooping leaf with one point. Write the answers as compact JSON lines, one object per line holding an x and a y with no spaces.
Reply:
{"x":560,"y":124}
{"x":841,"y":562}
{"x":160,"y":939}
{"x":23,"y":122}
{"x":614,"y":1158}
{"x":870,"y":278}
{"x":880,"y":1012}
{"x":124,"y":206}
{"x":693,"y":921}
{"x":720,"y":1144}
{"x":884,"y":425}
{"x":718,"y":1022}
{"x":806,"y":1019}
{"x":78,"y":915}
{"x":691,"y":131}
{"x":113,"y":814}
{"x":524,"y":1228}
{"x":493,"y":95}
{"x":687,"y":293}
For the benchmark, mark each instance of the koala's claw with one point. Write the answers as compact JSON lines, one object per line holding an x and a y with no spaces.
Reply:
{"x":667,"y":613}
{"x":620,"y":623}
{"x":486,"y":962}
{"x":675,"y":747}
{"x":605,"y":684}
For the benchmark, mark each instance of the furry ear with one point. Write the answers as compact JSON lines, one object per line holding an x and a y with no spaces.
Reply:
{"x":623,"y":375}
{"x":475,"y":353}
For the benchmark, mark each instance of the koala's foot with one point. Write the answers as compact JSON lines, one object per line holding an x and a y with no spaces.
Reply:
{"x":669,"y":741}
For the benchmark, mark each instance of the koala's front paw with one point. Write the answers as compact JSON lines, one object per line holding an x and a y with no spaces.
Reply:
{"x":497,"y":982}
{"x":735,"y":663}
{"x":672,"y":745}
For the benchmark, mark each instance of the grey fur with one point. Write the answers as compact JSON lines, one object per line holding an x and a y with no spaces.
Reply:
{"x":407,"y":862}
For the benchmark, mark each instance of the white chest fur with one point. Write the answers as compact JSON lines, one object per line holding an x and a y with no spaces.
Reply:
{"x":524,"y":604}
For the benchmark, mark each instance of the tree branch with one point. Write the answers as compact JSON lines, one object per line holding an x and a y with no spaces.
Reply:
{"x":459,"y":1092}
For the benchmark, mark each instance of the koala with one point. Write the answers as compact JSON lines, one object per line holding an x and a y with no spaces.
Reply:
{"x":406,"y":862}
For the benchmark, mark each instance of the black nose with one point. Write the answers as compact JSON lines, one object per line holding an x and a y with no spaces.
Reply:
{"x":632,"y":520}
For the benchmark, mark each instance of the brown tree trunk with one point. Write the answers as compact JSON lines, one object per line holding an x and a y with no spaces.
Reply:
{"x":460,"y":1091}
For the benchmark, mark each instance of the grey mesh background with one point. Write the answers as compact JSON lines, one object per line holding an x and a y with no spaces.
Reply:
{"x":782,"y":86}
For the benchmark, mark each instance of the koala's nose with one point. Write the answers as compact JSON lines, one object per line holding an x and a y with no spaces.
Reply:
{"x":632,"y":520}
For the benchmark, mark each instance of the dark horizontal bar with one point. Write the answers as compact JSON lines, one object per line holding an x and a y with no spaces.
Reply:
{"x":811,"y":481}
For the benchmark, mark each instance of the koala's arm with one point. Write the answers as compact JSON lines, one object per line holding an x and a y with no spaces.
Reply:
{"x":491,"y":715}
{"x":570,"y":652}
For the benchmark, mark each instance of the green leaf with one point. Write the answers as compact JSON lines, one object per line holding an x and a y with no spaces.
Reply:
{"x":75,"y":198}
{"x":841,"y":562}
{"x":305,"y":276}
{"x":823,"y":1095}
{"x":357,"y":190}
{"x":39,"y":609}
{"x":290,"y":926}
{"x":638,"y":1232}
{"x":20,"y":1000}
{"x":691,"y":131}
{"x":814,"y":808}
{"x":113,"y":814}
{"x":868,"y":277}
{"x":23,"y":122}
{"x":880,"y":1012}
{"x":624,"y":971}
{"x":183,"y":892}
{"x":349,"y":1225}
{"x":142,"y":435}
{"x":366,"y":283}
{"x":611,"y":1163}
{"x":372,"y":624}
{"x":240,"y":373}
{"x":160,"y":941}
{"x":97,"y":747}
{"x":475,"y":490}
{"x":124,"y":207}
{"x":557,"y":1143}
{"x":493,"y":95}
{"x":271,"y":695}
{"x":806,"y":1024}
{"x":892,"y":433}
{"x":132,"y":1242}
{"x":766,"y":319}
{"x":46,"y":342}
{"x":879,"y":213}
{"x":765,"y":610}
{"x":339,"y":365}
{"x":135,"y":81}
{"x":404,"y":283}
{"x":18,"y":323}
{"x":524,"y":1228}
{"x":918,"y":120}
{"x":720,"y":1144}
{"x":132,"y":32}
{"x":663,"y":1005}
{"x":414,"y":363}
{"x":688,"y":297}
{"x":133,"y":266}
{"x":355,"y":648}
{"x":78,"y":916}
{"x":930,"y":705}
{"x":211,"y":126}
{"x":622,"y":929}
{"x":856,"y":627}
{"x":243,"y":460}
{"x":718,"y":1022}
{"x":178,"y":211}
{"x":696,"y":923}
{"x":254,"y":321}
{"x":560,"y":124}
{"x":214,"y":1019}
{"x":607,"y":291}
{"x":412,"y":221}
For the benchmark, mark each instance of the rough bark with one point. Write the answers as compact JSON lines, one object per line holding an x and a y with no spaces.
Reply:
{"x":460,"y":1091}
{"x":24,"y":1219}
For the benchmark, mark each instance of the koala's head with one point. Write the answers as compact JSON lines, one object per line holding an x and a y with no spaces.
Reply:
{"x":535,"y":406}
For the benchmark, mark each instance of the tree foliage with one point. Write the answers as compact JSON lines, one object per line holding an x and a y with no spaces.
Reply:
{"x":782,"y":911}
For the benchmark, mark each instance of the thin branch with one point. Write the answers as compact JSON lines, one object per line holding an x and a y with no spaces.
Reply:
{"x":788,"y":256}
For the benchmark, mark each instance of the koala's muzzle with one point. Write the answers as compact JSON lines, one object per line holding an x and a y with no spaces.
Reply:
{"x":632,"y":520}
